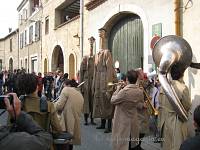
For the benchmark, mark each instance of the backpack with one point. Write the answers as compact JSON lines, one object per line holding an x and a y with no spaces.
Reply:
{"x":43,"y":102}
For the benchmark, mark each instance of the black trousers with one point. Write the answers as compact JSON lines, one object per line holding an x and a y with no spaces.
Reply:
{"x":138,"y":147}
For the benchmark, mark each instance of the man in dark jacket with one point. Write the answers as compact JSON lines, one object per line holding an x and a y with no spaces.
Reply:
{"x":194,"y":142}
{"x":27,"y":134}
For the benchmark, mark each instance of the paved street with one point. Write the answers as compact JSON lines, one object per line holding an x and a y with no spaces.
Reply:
{"x":93,"y":139}
{"x":3,"y":118}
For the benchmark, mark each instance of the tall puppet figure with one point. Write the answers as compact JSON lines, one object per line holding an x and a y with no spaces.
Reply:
{"x":103,"y":74}
{"x":86,"y":76}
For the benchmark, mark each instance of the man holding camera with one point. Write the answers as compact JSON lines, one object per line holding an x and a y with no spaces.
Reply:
{"x":25,"y":134}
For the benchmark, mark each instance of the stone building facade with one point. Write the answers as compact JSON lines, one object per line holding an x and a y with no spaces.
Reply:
{"x":60,"y":36}
{"x":9,"y":51}
{"x":29,"y":23}
{"x":49,"y":36}
{"x":191,"y":33}
{"x":120,"y":19}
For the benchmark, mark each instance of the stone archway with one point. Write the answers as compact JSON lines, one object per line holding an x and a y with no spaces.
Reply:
{"x":45,"y":65}
{"x":11,"y":64}
{"x":57,"y":62}
{"x":71,"y":66}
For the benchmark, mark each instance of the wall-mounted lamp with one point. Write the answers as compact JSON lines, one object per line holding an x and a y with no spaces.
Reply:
{"x":76,"y":36}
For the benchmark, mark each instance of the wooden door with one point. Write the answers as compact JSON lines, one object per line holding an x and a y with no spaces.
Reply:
{"x":126,"y":43}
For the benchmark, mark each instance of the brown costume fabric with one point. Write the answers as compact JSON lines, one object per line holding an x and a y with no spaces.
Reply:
{"x":86,"y":74}
{"x":103,"y":73}
{"x":173,"y":130}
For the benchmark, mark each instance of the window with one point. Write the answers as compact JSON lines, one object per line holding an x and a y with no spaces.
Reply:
{"x":37,"y":31}
{"x":26,"y":64}
{"x":46,"y":25}
{"x":20,"y":19}
{"x":25,"y":14}
{"x":10,"y":45}
{"x":11,"y":64}
{"x":66,"y":11}
{"x":21,"y":40}
{"x":25,"y":37}
{"x":36,"y":3}
{"x":21,"y":64}
{"x":34,"y":64}
{"x":30,"y":34}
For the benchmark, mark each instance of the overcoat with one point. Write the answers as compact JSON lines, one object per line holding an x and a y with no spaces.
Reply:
{"x":173,"y":130}
{"x":69,"y":106}
{"x":86,"y":76}
{"x":125,"y":122}
{"x":103,"y":74}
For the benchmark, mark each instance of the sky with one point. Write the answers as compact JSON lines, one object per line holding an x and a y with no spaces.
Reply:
{"x":8,"y":16}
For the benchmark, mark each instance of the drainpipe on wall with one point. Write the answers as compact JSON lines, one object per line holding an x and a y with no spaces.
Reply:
{"x":81,"y":26}
{"x":177,"y":13}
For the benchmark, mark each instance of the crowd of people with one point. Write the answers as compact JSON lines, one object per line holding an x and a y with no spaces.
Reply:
{"x":56,"y":104}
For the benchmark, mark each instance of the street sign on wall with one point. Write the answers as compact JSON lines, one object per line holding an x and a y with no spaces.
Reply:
{"x":156,"y":34}
{"x":157,"y":29}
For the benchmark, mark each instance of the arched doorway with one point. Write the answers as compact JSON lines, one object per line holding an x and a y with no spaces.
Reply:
{"x":126,"y":41}
{"x":11,"y":64}
{"x":57,"y":62}
{"x":71,"y":66}
{"x":45,"y":65}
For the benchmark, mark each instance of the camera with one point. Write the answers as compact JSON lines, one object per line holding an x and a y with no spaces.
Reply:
{"x":2,"y":103}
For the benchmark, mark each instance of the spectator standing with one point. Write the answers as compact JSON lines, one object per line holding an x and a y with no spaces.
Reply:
{"x":194,"y":142}
{"x":1,"y":83}
{"x":40,"y":84}
{"x":29,"y":135}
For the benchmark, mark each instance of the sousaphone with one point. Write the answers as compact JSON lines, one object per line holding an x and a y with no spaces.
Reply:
{"x":167,"y":52}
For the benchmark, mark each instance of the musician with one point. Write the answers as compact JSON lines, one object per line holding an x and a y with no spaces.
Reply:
{"x":173,"y":130}
{"x":125,"y":122}
{"x":143,"y":115}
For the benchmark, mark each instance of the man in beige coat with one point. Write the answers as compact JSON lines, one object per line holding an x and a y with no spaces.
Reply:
{"x":69,"y":106}
{"x":125,"y":122}
{"x":173,"y":130}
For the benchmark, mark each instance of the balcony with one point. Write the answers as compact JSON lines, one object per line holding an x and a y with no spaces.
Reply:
{"x":66,"y":12}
